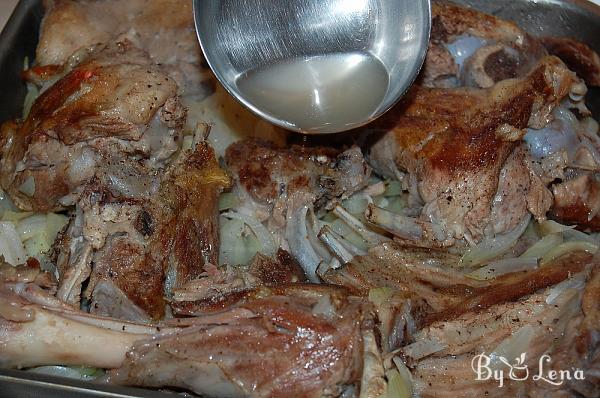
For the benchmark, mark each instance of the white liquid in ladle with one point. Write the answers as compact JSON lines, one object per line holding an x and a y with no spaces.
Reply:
{"x":322,"y":94}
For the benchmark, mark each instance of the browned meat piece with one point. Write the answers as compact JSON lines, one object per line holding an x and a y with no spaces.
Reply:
{"x":552,"y":322}
{"x":271,"y":175}
{"x":439,"y":69}
{"x":472,"y":48}
{"x":163,"y":28}
{"x":303,"y":340}
{"x":431,"y":275}
{"x":143,"y":246}
{"x":114,"y":103}
{"x":284,"y":344}
{"x":577,"y":201}
{"x":425,"y":273}
{"x":578,"y":57}
{"x":454,"y":143}
{"x":520,"y":191}
{"x":280,"y":186}
{"x":217,"y":285}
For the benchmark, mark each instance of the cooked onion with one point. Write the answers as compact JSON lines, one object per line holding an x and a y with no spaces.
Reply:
{"x":397,"y":224}
{"x":11,"y":246}
{"x":505,"y":266}
{"x":397,"y":385}
{"x":575,"y":282}
{"x":228,"y":200}
{"x":268,"y":246}
{"x":543,"y":246}
{"x":552,"y":227}
{"x":238,"y":246}
{"x":361,"y":229}
{"x":512,"y":347}
{"x":566,"y":248}
{"x":493,"y":247}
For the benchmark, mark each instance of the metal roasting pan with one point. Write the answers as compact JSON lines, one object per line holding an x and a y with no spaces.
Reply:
{"x":578,"y":19}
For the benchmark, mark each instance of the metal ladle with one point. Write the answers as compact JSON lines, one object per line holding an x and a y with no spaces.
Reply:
{"x":242,"y":36}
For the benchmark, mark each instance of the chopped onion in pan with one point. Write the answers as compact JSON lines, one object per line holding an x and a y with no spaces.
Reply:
{"x":543,"y":246}
{"x":11,"y":246}
{"x":568,"y":247}
{"x":505,"y":266}
{"x":493,"y":247}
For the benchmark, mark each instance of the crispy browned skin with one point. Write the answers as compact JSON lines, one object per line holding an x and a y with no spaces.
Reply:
{"x":577,"y":201}
{"x":454,"y":143}
{"x":579,"y":57}
{"x":103,"y":107}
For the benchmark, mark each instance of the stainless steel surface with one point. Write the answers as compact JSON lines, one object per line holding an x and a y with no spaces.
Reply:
{"x":575,"y":18}
{"x":239,"y":36}
{"x":18,"y":384}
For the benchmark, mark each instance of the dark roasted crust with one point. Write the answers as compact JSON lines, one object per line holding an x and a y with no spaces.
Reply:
{"x":575,"y":200}
{"x":579,"y":57}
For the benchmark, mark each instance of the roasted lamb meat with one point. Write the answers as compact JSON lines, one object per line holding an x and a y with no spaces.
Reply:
{"x":115,"y":104}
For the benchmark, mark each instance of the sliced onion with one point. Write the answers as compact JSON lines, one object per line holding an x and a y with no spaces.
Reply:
{"x":28,"y":187}
{"x":543,"y":246}
{"x":356,"y":204}
{"x":396,"y":204}
{"x":32,"y":93}
{"x":14,"y":216}
{"x":237,"y":247}
{"x":397,"y":224}
{"x":380,"y":295}
{"x":502,"y":267}
{"x":406,"y":386}
{"x":573,"y":235}
{"x":11,"y":246}
{"x":343,"y":229}
{"x":490,"y":248}
{"x":268,"y":246}
{"x":367,"y":236}
{"x":422,"y":349}
{"x":397,"y":385}
{"x":568,"y":247}
{"x":393,"y":188}
{"x":576,"y":282}
{"x":6,"y":204}
{"x":552,"y":227}
{"x":228,"y":200}
{"x":376,"y":189}
{"x":512,"y":347}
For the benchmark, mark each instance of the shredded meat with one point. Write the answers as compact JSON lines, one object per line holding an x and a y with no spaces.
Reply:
{"x":270,"y":174}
